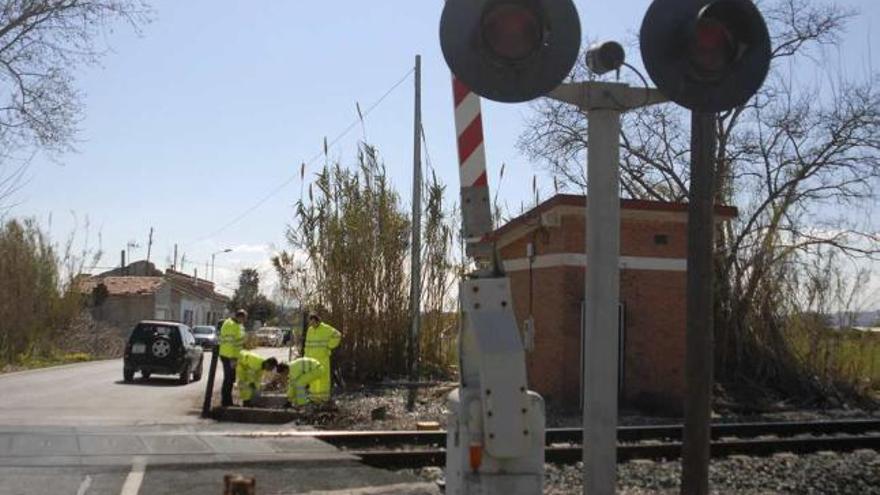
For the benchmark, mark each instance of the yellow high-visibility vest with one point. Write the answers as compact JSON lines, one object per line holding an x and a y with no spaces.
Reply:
{"x":231,"y":338}
{"x":250,"y":366}
{"x":320,"y":340}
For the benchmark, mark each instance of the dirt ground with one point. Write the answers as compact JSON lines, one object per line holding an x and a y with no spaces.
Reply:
{"x":377,"y":408}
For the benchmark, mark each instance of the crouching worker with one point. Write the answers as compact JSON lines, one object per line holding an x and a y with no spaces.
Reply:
{"x":303,"y":374}
{"x":249,"y":372}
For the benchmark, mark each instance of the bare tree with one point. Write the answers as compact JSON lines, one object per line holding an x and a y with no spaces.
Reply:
{"x":42,"y":42}
{"x":800,"y":160}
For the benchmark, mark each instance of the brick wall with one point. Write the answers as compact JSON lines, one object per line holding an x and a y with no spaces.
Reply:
{"x":654,"y":301}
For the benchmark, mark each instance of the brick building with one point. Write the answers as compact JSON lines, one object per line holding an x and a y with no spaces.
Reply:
{"x":549,"y":286}
{"x":139,"y":292}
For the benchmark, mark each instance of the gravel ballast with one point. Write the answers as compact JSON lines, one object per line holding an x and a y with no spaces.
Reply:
{"x":854,"y":473}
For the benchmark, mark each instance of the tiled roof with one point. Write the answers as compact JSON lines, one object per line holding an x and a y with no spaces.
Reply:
{"x":136,"y":285}
{"x":121,"y":286}
{"x":196,"y":287}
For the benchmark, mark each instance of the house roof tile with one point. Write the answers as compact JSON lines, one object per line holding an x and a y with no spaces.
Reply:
{"x":120,"y":286}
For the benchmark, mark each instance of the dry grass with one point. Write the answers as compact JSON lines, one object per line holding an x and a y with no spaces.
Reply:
{"x":850,"y":357}
{"x":355,"y":234}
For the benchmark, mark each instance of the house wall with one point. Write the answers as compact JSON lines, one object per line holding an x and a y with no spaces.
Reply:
{"x":652,"y":289}
{"x":203,"y":311}
{"x":218,"y":311}
{"x":163,"y":309}
{"x":125,"y":311}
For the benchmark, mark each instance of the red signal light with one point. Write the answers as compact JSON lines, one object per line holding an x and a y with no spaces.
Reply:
{"x":512,"y":32}
{"x":706,"y":55}
{"x":713,"y":49}
{"x":510,"y":50}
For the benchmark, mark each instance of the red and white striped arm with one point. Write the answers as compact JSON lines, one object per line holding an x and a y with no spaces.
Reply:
{"x":476,"y":208}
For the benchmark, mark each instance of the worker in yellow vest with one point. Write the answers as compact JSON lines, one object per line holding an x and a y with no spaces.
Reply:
{"x":302,"y":376}
{"x":249,"y":373}
{"x":231,"y":340}
{"x":321,"y":339}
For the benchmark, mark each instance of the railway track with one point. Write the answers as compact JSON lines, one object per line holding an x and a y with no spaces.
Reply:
{"x":367,"y":439}
{"x":407,"y":449}
{"x":390,"y":459}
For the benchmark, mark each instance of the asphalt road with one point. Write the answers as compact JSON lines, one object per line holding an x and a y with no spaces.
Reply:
{"x":81,"y":430}
{"x":94,"y":394}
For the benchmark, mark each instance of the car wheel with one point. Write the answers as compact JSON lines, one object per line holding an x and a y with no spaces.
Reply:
{"x":128,"y":375}
{"x":184,"y":375}
{"x":161,"y":348}
{"x":198,"y":374}
{"x":146,"y":375}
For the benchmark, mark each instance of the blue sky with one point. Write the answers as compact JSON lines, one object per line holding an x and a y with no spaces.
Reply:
{"x":218,"y":102}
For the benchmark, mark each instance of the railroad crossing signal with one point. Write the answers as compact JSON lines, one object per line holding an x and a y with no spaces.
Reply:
{"x":510,"y":50}
{"x":709,"y":55}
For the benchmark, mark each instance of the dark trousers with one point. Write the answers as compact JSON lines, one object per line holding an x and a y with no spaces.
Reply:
{"x":228,"y":380}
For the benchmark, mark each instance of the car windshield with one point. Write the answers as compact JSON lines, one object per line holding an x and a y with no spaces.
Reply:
{"x":203,"y":330}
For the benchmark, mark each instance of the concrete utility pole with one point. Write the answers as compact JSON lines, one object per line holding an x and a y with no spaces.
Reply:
{"x":604,"y":103}
{"x":174,"y":265}
{"x":700,"y":321}
{"x":416,"y":256}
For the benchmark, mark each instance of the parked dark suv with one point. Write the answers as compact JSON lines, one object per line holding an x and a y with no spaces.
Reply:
{"x":162,"y":348}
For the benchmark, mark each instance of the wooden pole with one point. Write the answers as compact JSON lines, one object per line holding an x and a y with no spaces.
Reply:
{"x":150,"y":245}
{"x":416,"y":256}
{"x":700,"y":291}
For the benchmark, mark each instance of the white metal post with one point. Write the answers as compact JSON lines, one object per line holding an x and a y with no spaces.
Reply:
{"x":604,"y":102}
{"x":602,"y":291}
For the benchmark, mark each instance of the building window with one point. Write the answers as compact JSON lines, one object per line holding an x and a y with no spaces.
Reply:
{"x":661,"y":239}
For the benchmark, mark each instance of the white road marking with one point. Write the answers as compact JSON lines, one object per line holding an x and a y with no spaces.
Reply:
{"x":135,"y":478}
{"x":84,"y":486}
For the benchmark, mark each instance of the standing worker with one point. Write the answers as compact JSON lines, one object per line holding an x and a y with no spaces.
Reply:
{"x":249,"y":374}
{"x":231,"y":340}
{"x":321,"y":339}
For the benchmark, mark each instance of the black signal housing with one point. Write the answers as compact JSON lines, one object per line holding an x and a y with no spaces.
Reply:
{"x":708,"y":56}
{"x":510,"y":50}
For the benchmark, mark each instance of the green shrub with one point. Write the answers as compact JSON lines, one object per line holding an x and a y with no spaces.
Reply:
{"x":38,"y":303}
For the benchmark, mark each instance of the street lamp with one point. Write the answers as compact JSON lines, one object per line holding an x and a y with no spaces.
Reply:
{"x":213,"y":255}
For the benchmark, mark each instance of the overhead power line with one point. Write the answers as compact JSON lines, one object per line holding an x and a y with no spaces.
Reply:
{"x":311,"y":160}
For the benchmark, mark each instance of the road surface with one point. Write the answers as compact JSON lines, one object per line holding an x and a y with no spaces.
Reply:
{"x":94,"y":394}
{"x":81,"y":430}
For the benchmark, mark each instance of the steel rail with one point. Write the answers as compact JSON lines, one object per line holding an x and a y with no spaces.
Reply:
{"x":363,"y":439}
{"x":572,"y":454}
